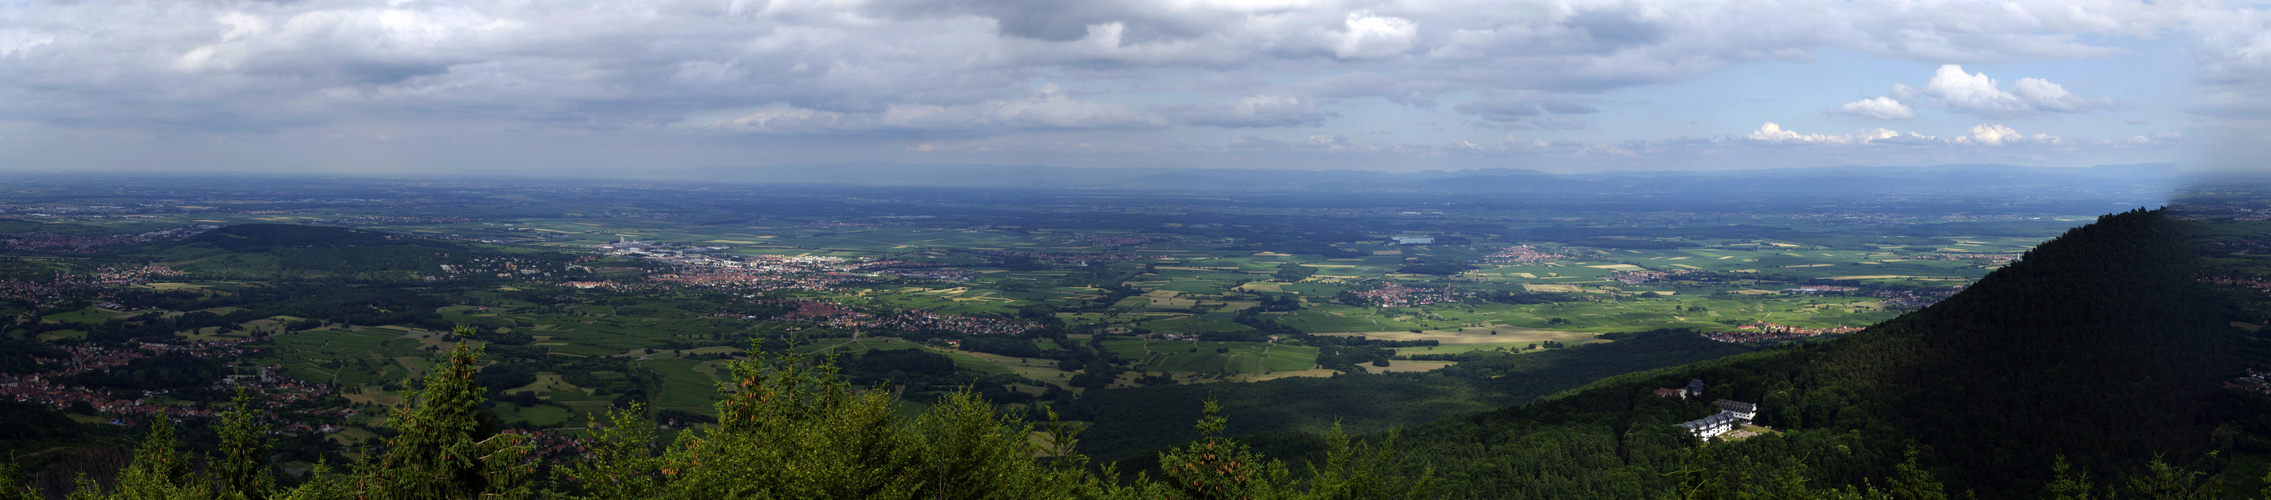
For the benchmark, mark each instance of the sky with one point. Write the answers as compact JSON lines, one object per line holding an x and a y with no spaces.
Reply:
{"x":652,"y":87}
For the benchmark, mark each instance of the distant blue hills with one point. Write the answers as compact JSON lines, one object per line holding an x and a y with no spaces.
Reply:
{"x":1938,"y":180}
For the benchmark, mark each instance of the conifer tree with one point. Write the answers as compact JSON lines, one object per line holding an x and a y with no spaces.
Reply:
{"x":158,"y":472}
{"x":2065,"y":484}
{"x":1217,"y":468}
{"x":242,"y":470}
{"x":445,"y":449}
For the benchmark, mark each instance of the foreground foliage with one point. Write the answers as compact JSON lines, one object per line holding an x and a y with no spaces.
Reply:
{"x":789,"y":428}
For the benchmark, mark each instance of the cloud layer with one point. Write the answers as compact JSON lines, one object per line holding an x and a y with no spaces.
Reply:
{"x":1140,"y":74}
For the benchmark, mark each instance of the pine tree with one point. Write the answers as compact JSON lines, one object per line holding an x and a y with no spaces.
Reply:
{"x":1219,"y":468}
{"x":445,"y":449}
{"x":158,"y":472}
{"x":243,"y":466}
{"x":2065,"y":484}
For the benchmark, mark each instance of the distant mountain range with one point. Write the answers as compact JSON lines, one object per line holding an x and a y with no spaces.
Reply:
{"x":1938,"y":180}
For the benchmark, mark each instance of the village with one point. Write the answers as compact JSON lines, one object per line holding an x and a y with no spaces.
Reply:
{"x":268,"y":387}
{"x":1772,"y":332}
{"x":830,"y":314}
{"x":1521,"y":254}
{"x":69,"y":289}
{"x":1394,"y":295}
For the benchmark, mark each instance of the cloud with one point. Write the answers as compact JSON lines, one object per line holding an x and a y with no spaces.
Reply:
{"x":1049,"y":109}
{"x":1999,"y":135}
{"x":1773,"y":134}
{"x":875,"y":72}
{"x":1327,"y":143}
{"x":1257,"y":111}
{"x":2232,"y":54}
{"x":1519,"y":114}
{"x":1955,"y":90}
{"x":1877,"y":108}
{"x":1371,"y":36}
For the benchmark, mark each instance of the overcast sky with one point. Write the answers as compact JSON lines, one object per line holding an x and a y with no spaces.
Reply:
{"x":629,"y":87}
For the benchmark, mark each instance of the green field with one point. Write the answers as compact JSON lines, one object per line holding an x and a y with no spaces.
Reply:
{"x":1232,"y":358}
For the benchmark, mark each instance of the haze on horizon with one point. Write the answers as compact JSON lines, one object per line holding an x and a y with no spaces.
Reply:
{"x":634,"y":87}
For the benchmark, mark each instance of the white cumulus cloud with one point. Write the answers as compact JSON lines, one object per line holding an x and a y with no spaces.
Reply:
{"x":2000,"y":135}
{"x":1877,"y":108}
{"x":1953,"y":89}
{"x":1371,"y":36}
{"x":1772,"y":133}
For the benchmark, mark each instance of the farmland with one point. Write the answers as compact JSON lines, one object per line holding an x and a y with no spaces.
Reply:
{"x":1031,"y":302}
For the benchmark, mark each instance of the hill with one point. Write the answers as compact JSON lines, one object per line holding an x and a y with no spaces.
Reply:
{"x":2100,"y":346}
{"x":267,"y":237}
{"x":1150,"y":418}
{"x":284,"y":251}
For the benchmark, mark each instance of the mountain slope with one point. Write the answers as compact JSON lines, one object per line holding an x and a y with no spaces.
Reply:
{"x":2098,"y":346}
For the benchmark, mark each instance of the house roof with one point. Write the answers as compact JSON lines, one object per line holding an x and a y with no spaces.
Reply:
{"x":1714,"y":419}
{"x":1737,"y":406}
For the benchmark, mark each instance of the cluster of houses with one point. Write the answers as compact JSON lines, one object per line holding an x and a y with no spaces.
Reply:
{"x":506,"y":267}
{"x":2256,"y":381}
{"x":1112,"y":241}
{"x":1820,"y":290}
{"x":2255,"y":282}
{"x":271,"y":389}
{"x":1991,"y":258}
{"x":1394,"y":295}
{"x":1769,"y":332}
{"x":1521,"y":254}
{"x":835,"y":315}
{"x":1732,"y":414}
{"x":1915,"y":298}
{"x":102,"y":286}
{"x":1638,"y":277}
{"x":757,"y":272}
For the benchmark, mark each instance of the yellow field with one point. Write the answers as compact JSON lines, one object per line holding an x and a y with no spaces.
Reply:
{"x":1387,"y":252}
{"x":1551,"y":288}
{"x":1616,"y":267}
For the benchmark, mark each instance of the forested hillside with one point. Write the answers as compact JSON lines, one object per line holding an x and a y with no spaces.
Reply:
{"x":2099,"y":346}
{"x":293,"y":252}
{"x":1149,"y":418}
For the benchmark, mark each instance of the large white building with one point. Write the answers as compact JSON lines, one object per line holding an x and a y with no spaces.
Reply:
{"x":1732,"y":415}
